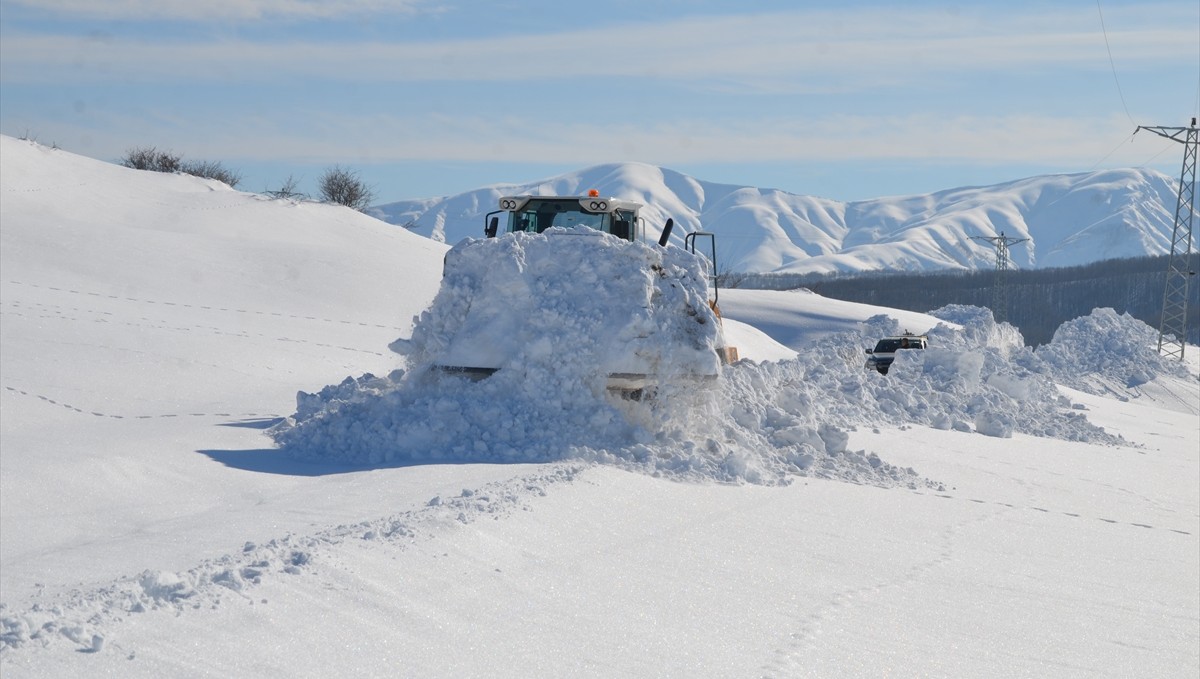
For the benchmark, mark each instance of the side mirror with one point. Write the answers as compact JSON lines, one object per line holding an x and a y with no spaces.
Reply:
{"x":666,"y":234}
{"x":492,"y":227}
{"x":869,"y":351}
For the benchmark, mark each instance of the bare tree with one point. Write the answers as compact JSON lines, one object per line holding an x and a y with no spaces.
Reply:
{"x":343,"y":186}
{"x":211,"y":169}
{"x":156,"y":160}
{"x":289,"y":189}
{"x":150,"y":158}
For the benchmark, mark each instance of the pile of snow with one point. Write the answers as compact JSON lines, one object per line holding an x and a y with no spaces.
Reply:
{"x":759,"y":423}
{"x":973,"y":377}
{"x":576,"y":303}
{"x":557,"y":314}
{"x":1098,"y":352}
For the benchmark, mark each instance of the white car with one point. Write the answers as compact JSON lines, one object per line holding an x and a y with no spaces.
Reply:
{"x":884,"y":353}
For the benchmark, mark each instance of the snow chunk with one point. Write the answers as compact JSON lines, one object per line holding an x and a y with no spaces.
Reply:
{"x":163,"y":586}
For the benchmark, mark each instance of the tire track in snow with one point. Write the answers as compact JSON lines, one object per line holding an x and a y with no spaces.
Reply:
{"x":1043,"y":510}
{"x":88,"y":617}
{"x":53,"y":312}
{"x":45,"y":189}
{"x":1156,"y":503}
{"x":84,"y":314}
{"x":112,"y":416}
{"x":205,"y":307}
{"x":811,"y":627}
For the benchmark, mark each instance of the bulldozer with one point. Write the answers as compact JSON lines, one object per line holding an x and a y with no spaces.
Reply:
{"x":572,"y":278}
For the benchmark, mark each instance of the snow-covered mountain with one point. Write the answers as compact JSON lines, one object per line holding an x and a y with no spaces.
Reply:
{"x":1069,"y":219}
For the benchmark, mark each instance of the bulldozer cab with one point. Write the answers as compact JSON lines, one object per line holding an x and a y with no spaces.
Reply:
{"x":537,"y":213}
{"x":590,"y":214}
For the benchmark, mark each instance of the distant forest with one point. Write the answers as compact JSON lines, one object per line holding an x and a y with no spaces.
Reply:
{"x":1039,"y":300}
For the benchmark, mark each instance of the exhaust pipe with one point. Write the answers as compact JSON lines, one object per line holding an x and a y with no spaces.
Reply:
{"x":666,"y":234}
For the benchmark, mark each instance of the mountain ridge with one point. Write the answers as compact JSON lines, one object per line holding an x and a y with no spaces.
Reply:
{"x":1067,"y":219}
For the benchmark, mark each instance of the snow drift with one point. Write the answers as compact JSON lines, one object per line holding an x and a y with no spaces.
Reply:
{"x":1103,"y":350}
{"x":759,"y":423}
{"x":578,"y":302}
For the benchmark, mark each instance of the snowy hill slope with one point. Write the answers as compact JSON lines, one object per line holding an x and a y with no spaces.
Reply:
{"x":152,"y":327}
{"x":135,"y":300}
{"x":1069,"y":219}
{"x":795,"y":318}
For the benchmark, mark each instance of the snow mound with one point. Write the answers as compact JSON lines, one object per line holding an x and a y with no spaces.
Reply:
{"x":555,"y":314}
{"x":1105,"y":352}
{"x":687,"y":432}
{"x":972,"y":378}
{"x":759,"y":423}
{"x":571,"y":306}
{"x":558,"y":313}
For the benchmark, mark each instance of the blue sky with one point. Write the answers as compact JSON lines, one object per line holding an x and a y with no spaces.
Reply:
{"x":428,"y":98}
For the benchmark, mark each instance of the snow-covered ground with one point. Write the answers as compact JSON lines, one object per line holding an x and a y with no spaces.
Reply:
{"x":983,"y":510}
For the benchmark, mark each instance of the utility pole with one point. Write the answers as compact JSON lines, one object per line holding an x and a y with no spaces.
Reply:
{"x":1172,"y":329}
{"x":999,"y":287}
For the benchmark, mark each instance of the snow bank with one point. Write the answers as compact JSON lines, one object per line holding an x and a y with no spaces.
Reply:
{"x":557,"y":314}
{"x":1105,"y":351}
{"x":758,"y":423}
{"x":970,"y":379}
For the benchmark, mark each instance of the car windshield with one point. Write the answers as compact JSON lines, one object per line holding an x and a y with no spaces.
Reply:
{"x":541,"y":215}
{"x":887,"y":345}
{"x":892,"y":344}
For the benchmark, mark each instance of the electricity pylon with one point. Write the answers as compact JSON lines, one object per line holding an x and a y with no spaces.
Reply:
{"x":1172,"y":329}
{"x":1000,"y":286}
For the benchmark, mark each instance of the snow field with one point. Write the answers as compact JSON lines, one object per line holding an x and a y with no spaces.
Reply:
{"x":769,"y":526}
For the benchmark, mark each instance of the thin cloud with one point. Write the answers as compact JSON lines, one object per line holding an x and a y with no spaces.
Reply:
{"x":918,"y":139}
{"x":215,"y":10}
{"x":797,"y":51}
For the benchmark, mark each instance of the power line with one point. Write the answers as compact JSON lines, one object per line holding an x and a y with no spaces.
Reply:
{"x":1196,"y":106}
{"x":1153,"y":157}
{"x":1112,"y":63}
{"x":1123,"y":142}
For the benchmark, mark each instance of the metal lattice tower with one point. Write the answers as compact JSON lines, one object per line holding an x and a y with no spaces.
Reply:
{"x":1000,"y":286}
{"x":1172,"y":330}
